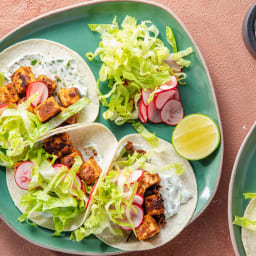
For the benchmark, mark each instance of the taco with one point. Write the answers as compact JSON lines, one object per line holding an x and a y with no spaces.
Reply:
{"x":44,"y":85}
{"x":146,"y":198}
{"x":52,"y":184}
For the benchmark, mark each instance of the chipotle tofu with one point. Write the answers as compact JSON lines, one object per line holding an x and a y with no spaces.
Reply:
{"x":69,"y":96}
{"x":47,"y":109}
{"x":52,"y":85}
{"x":21,"y":78}
{"x":8,"y":94}
{"x":61,"y":146}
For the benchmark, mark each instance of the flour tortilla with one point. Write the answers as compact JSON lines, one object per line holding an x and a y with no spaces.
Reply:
{"x":95,"y":134}
{"x":55,"y":50}
{"x":163,"y":156}
{"x":249,"y":236}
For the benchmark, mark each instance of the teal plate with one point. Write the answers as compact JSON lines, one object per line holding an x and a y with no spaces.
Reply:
{"x":243,"y":180}
{"x":69,"y":26}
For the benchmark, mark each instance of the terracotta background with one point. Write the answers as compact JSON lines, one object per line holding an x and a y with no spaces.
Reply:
{"x":216,"y":27}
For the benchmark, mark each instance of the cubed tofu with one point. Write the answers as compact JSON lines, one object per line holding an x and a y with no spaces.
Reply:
{"x":148,"y":228}
{"x":30,"y":108}
{"x":51,"y":84}
{"x":69,"y":96}
{"x":72,"y":119}
{"x":69,"y":160}
{"x":22,"y":77}
{"x":147,"y":181}
{"x":48,"y":109}
{"x":154,"y":204}
{"x":59,"y":145}
{"x":90,"y":171}
{"x":8,"y":94}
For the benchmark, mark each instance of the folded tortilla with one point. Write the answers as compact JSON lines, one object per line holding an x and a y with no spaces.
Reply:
{"x":95,"y":134}
{"x":57,"y":51}
{"x":162,"y":156}
{"x":248,"y":235}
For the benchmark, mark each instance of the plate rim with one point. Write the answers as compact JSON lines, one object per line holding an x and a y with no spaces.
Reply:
{"x":231,"y":187}
{"x":171,"y":13}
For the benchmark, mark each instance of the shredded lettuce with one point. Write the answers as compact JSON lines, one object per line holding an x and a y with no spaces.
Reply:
{"x":179,"y":168}
{"x":2,"y":79}
{"x":133,"y":58}
{"x":151,"y":138}
{"x":249,"y":195}
{"x":53,"y":195}
{"x":245,"y":222}
{"x":20,"y":128}
{"x":171,"y":39}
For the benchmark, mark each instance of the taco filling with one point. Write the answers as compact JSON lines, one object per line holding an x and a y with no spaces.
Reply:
{"x":57,"y":180}
{"x":135,"y":198}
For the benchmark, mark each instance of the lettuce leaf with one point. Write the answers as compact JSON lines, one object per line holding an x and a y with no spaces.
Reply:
{"x":52,"y":194}
{"x":2,"y":79}
{"x":20,"y":128}
{"x":171,"y":39}
{"x":151,"y":138}
{"x":249,"y":195}
{"x":133,"y":58}
{"x":245,"y":222}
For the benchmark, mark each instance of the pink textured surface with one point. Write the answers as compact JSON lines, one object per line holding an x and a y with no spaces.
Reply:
{"x":216,"y":27}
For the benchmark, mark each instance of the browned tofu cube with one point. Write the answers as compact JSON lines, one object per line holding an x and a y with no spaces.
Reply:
{"x":148,"y":228}
{"x":147,"y":181}
{"x":22,"y":77}
{"x":69,"y":160}
{"x":69,"y":96}
{"x":30,"y":108}
{"x":8,"y":94}
{"x":154,"y":204}
{"x":48,"y":109}
{"x":52,"y":85}
{"x":59,"y":145}
{"x":90,"y":171}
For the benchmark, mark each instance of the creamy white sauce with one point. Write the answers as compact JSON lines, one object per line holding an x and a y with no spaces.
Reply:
{"x":63,"y":71}
{"x":173,"y":192}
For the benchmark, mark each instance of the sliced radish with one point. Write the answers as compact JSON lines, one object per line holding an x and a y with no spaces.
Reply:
{"x":173,"y":64}
{"x":143,"y":112}
{"x":37,"y":87}
{"x":138,"y":199}
{"x":23,"y":174}
{"x":145,"y":96}
{"x":153,"y":113}
{"x":136,"y":176}
{"x":172,"y":112}
{"x":90,"y":196}
{"x":136,"y":218}
{"x":57,"y":167}
{"x":162,"y":97}
{"x":170,"y":84}
{"x":3,"y":108}
{"x":177,"y":94}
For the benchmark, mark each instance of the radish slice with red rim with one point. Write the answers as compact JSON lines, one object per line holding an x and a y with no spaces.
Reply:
{"x":153,"y":113}
{"x":143,"y":113}
{"x":172,"y":112}
{"x":37,"y":87}
{"x":145,"y":96}
{"x":138,"y":199}
{"x":162,"y":97}
{"x":177,"y":94}
{"x":170,"y":84}
{"x":90,"y":196}
{"x":136,"y":175}
{"x":23,"y":174}
{"x":136,"y":218}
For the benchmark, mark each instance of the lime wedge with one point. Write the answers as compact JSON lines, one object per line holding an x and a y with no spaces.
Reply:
{"x":196,"y":137}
